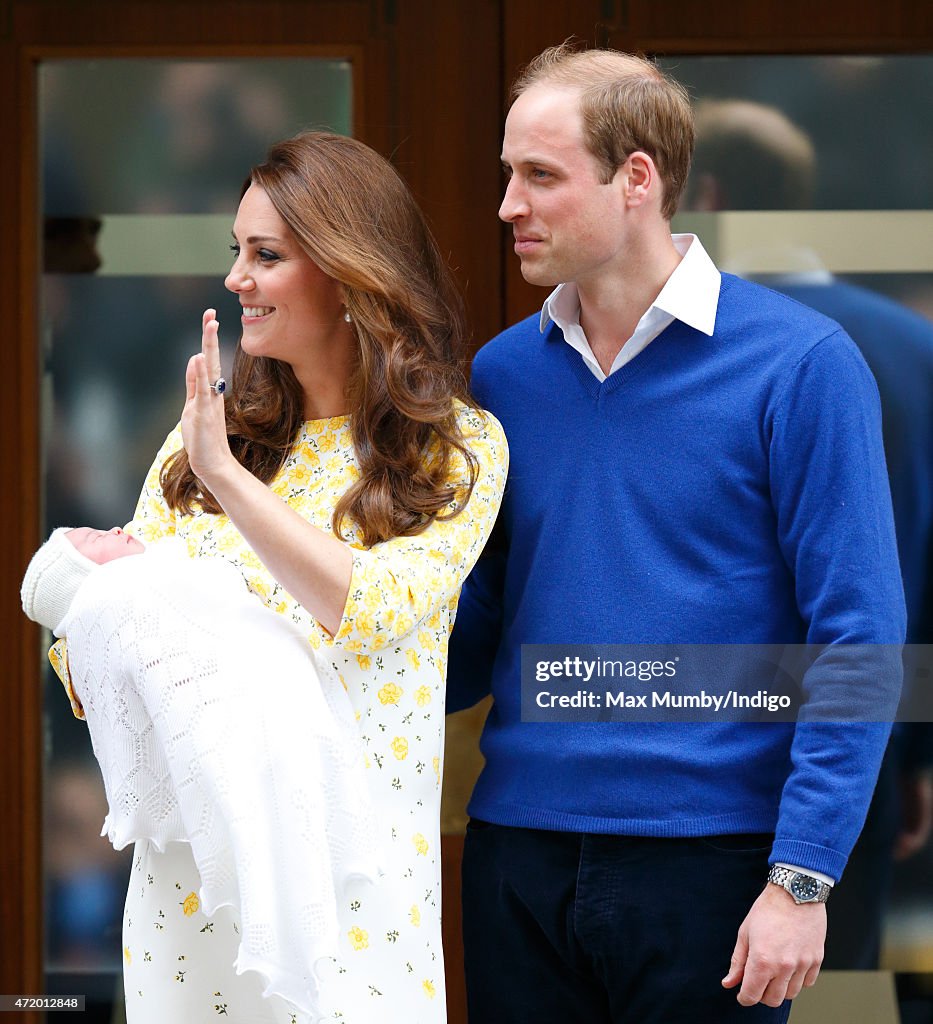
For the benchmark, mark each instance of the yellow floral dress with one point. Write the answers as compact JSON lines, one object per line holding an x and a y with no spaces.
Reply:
{"x":390,"y":650}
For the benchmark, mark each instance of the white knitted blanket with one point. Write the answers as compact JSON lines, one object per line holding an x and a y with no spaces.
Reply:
{"x":213,"y":725}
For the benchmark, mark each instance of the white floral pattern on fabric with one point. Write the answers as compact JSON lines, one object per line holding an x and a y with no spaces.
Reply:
{"x":390,"y":650}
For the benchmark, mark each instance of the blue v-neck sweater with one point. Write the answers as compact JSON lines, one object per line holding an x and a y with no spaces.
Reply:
{"x":724,"y":489}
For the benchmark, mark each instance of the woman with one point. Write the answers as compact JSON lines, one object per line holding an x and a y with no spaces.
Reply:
{"x":348,"y":477}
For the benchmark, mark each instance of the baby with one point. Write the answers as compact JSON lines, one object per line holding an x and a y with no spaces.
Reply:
{"x":213,"y":726}
{"x":103,"y":545}
{"x":59,"y":567}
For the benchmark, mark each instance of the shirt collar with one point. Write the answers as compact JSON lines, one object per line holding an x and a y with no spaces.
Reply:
{"x":691,"y":293}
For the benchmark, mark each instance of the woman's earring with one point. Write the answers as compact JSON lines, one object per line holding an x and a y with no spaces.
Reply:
{"x":347,"y":317}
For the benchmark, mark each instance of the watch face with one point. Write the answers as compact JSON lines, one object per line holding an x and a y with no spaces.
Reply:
{"x":804,"y":887}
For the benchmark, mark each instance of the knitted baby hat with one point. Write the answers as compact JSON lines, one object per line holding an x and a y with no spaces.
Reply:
{"x":52,"y":579}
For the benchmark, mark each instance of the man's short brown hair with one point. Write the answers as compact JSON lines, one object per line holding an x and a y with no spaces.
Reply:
{"x":627,"y":104}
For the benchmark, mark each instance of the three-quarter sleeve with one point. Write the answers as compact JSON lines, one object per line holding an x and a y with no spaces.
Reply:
{"x":397,"y":584}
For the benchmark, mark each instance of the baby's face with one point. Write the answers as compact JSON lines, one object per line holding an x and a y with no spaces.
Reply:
{"x":104,"y":545}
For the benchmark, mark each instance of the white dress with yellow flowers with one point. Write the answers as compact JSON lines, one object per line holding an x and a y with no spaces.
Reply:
{"x":391,"y":652}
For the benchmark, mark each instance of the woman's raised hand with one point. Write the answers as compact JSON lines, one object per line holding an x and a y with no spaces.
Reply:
{"x":203,"y":424}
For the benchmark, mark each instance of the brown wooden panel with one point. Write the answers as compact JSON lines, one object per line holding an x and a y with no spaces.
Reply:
{"x":774,"y":26}
{"x":449,"y":60}
{"x":529,"y":27}
{"x":20,"y":733}
{"x":179,"y":21}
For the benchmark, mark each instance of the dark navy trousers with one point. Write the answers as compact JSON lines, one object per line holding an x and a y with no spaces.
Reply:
{"x":561,"y":928}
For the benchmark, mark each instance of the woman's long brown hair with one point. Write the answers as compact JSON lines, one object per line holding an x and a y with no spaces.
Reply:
{"x":355,"y":218}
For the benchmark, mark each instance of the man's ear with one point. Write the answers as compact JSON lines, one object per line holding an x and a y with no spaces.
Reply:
{"x":640,"y":178}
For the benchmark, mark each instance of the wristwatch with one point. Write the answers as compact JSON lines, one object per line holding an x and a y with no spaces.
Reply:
{"x":804,"y":888}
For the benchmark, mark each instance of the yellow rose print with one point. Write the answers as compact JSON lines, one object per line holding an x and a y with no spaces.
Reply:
{"x":403,"y":624}
{"x":326,"y":442}
{"x":299,"y":475}
{"x":421,"y":844}
{"x":359,"y":939}
{"x":127,"y":955}
{"x":391,"y":693}
{"x":429,"y":990}
{"x":423,"y":696}
{"x":364,"y":661}
{"x":400,"y":747}
{"x":414,"y":915}
{"x":436,"y":762}
{"x":191,"y":905}
{"x":365,"y":624}
{"x":413,"y":658}
{"x":426,"y":640}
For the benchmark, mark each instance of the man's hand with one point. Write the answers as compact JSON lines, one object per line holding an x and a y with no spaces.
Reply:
{"x":779,"y":949}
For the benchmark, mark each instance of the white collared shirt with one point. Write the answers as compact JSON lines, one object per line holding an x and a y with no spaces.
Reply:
{"x":691,"y":294}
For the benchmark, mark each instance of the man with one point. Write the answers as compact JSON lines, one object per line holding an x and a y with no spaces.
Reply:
{"x":694,"y":460}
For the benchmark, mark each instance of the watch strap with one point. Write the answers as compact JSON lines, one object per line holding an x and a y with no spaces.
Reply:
{"x":786,"y":878}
